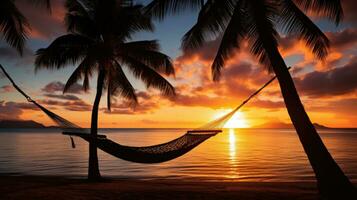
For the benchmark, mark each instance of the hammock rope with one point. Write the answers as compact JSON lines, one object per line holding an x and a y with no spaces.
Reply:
{"x":149,"y":154}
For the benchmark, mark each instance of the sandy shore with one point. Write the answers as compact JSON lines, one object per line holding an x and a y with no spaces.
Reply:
{"x":41,"y":187}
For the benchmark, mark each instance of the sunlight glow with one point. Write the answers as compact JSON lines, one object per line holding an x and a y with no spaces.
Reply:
{"x":237,"y":121}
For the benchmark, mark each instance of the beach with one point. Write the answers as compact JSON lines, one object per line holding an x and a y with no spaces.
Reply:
{"x":47,"y":187}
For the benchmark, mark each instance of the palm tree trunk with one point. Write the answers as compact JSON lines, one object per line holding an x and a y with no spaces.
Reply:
{"x":332,"y":182}
{"x":93,"y":166}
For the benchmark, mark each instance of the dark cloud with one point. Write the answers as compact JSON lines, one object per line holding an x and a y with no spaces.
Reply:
{"x":78,"y":105}
{"x":63,"y":97}
{"x":9,"y":111}
{"x":338,"y":81}
{"x":205,"y":53}
{"x":58,"y":86}
{"x":13,"y":110}
{"x":349,"y":9}
{"x":344,"y":39}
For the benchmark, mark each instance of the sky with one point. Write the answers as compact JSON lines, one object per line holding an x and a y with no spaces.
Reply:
{"x":328,"y":89}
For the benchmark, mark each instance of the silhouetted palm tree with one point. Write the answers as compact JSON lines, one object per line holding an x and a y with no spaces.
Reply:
{"x":98,"y":39}
{"x":13,"y":25}
{"x":256,"y":21}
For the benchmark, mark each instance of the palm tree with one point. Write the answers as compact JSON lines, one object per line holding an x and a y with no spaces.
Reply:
{"x":13,"y":24}
{"x":99,"y":40}
{"x":255,"y":21}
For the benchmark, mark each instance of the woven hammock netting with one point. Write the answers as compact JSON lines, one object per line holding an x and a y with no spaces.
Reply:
{"x":150,"y":154}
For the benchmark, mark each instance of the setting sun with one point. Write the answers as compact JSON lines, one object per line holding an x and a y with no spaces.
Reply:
{"x":237,"y":121}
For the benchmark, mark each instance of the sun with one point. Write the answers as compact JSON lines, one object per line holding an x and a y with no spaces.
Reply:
{"x":237,"y":121}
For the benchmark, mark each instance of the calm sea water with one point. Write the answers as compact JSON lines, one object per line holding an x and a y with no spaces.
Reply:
{"x":234,"y":155}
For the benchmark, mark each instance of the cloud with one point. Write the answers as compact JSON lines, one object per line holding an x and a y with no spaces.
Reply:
{"x":342,"y":107}
{"x":148,"y":102}
{"x":63,"y":97}
{"x":337,"y":81}
{"x":57,"y":86}
{"x":344,"y":39}
{"x":13,"y":110}
{"x":6,"y":88}
{"x":241,"y":77}
{"x":44,"y":25}
{"x":349,"y":8}
{"x":77,"y":105}
{"x":205,"y":53}
{"x":9,"y":111}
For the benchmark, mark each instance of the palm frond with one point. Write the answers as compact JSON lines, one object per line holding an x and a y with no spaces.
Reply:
{"x":261,"y":32}
{"x":147,"y":53}
{"x":161,"y":8}
{"x":212,"y":21}
{"x":232,"y":36}
{"x":118,"y":84}
{"x":295,"y":22}
{"x":13,"y":25}
{"x":151,"y":45}
{"x":329,"y":8}
{"x":78,"y":19}
{"x":130,"y":20}
{"x":67,"y":49}
{"x":149,"y":76}
{"x":84,"y":69}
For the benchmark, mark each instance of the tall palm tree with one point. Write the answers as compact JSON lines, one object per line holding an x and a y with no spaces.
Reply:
{"x":13,"y":24}
{"x":99,"y":40}
{"x":256,"y":21}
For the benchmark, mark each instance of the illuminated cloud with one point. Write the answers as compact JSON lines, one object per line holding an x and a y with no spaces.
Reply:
{"x":6,"y":88}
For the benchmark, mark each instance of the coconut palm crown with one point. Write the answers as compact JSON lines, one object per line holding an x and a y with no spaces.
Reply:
{"x":13,"y":24}
{"x":99,"y":39}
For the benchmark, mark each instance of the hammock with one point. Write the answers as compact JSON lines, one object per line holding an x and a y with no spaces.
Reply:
{"x":150,"y":154}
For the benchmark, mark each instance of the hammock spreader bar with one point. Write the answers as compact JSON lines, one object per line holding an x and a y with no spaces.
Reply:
{"x":150,"y":154}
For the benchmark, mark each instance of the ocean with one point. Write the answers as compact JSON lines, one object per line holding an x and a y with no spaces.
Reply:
{"x":257,"y":155}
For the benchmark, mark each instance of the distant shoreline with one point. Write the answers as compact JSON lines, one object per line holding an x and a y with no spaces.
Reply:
{"x":130,"y":128}
{"x":29,"y":124}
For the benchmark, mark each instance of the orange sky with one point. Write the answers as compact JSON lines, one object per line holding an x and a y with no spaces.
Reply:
{"x":328,"y":89}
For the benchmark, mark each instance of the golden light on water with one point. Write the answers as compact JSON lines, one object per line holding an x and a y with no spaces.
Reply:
{"x":232,"y":140}
{"x":232,"y":144}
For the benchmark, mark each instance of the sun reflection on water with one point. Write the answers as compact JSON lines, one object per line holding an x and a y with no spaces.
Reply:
{"x":232,"y":144}
{"x":232,"y":140}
